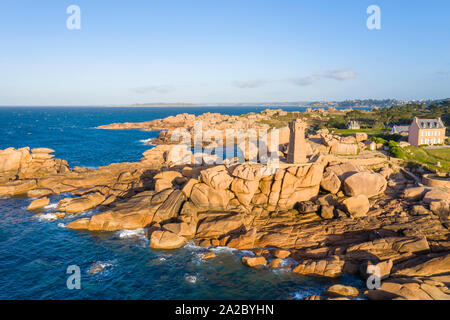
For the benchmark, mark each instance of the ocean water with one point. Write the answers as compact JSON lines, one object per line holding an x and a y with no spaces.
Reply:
{"x":35,"y":253}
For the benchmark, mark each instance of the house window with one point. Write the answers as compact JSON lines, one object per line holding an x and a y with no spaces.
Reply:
{"x":439,"y":140}
{"x":421,"y":141}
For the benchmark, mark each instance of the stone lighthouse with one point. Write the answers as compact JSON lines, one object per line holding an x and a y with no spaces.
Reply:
{"x":297,"y":143}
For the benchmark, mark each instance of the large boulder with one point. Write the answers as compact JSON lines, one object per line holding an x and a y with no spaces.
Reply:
{"x":134,"y":213}
{"x":387,"y":248}
{"x":345,"y":170}
{"x":339,"y":290}
{"x":415,"y":193}
{"x":171,"y":206}
{"x":361,"y":136}
{"x":207,"y":198}
{"x":365,"y":183}
{"x":217,"y":177}
{"x":166,"y":240}
{"x":244,"y":189}
{"x":81,"y":204}
{"x":248,"y":171}
{"x":254,"y":261}
{"x":436,"y":195}
{"x":39,"y":203}
{"x":330,"y":267}
{"x":408,"y":289}
{"x":10,"y":160}
{"x":215,"y":226}
{"x":425,"y":267}
{"x":357,"y":206}
{"x":17,"y":187}
{"x":330,"y":182}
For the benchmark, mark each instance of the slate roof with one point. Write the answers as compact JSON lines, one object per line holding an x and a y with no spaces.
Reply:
{"x":400,"y":129}
{"x":430,"y":123}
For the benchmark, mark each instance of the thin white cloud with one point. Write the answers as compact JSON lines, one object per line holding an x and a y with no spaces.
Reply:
{"x":153,"y":88}
{"x":250,"y":84}
{"x":337,"y":74}
{"x":443,"y":73}
{"x":305,"y":81}
{"x":340,"y":75}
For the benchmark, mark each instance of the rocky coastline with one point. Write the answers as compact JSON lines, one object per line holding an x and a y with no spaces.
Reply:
{"x":347,"y":210}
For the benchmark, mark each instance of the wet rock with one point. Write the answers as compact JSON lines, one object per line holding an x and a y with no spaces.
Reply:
{"x":280,"y":253}
{"x":166,"y":240}
{"x":275,"y":263}
{"x":208,"y":255}
{"x":39,"y":203}
{"x":254,"y":261}
{"x":339,"y":290}
{"x":81,"y":204}
{"x":17,"y":187}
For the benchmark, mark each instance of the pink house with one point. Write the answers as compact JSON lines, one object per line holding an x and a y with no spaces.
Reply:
{"x":426,"y":132}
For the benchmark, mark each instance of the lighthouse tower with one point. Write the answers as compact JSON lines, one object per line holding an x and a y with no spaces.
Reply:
{"x":297,"y":143}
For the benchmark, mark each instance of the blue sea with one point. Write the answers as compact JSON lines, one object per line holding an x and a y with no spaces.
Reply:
{"x":35,"y":253}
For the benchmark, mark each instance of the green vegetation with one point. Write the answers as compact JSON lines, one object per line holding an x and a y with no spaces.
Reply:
{"x":402,"y":114}
{"x":429,"y":157}
{"x":370,"y":132}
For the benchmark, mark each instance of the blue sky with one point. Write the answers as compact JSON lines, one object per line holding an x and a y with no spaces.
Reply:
{"x":221,"y":51}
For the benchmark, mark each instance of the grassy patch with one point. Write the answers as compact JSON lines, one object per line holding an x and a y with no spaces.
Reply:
{"x":370,"y":132}
{"x":429,"y":157}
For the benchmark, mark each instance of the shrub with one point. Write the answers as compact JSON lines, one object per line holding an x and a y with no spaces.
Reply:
{"x":397,"y":152}
{"x":393,"y":143}
{"x":378,"y":140}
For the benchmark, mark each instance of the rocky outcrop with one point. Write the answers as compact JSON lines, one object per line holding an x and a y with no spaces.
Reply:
{"x":247,"y":206}
{"x":330,"y":268}
{"x":365,"y":183}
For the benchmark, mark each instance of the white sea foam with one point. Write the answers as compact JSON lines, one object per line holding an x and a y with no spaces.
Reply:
{"x":301,"y":294}
{"x":51,"y":206}
{"x":223,"y":249}
{"x":191,"y":246}
{"x":61,"y":225}
{"x":47,"y":217}
{"x":147,"y":142}
{"x":127,"y":234}
{"x":287,"y":262}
